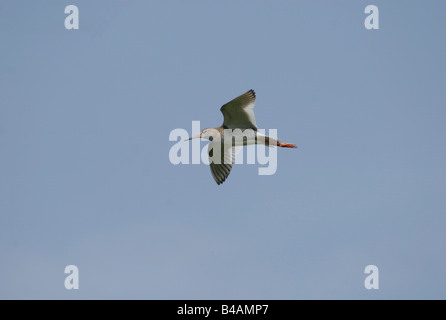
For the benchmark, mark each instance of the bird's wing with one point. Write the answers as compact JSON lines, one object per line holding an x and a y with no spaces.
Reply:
{"x":239,"y":113}
{"x":221,"y":159}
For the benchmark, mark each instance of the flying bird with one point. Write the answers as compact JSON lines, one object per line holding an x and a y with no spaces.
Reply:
{"x":239,"y":129}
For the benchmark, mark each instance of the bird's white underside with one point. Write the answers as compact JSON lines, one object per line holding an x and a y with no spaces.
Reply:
{"x":225,"y":154}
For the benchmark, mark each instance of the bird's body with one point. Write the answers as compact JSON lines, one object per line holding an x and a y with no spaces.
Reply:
{"x":239,"y":137}
{"x":239,"y":129}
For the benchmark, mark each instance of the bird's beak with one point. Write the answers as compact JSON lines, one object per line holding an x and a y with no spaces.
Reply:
{"x":197,"y":136}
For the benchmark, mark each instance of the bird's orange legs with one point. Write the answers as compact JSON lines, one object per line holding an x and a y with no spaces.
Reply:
{"x":280,"y":144}
{"x":286,"y":145}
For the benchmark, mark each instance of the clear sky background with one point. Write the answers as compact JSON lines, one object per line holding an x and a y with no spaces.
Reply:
{"x":85,"y":176}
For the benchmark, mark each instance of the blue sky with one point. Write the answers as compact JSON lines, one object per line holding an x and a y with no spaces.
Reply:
{"x":85,"y":176}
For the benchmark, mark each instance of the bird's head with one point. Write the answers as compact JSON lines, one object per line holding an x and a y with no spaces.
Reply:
{"x":208,"y":134}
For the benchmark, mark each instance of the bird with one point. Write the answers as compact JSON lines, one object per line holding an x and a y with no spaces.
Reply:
{"x":239,"y":129}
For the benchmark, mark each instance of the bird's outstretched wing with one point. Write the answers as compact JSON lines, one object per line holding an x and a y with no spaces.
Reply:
{"x":221,"y":159}
{"x":239,"y":113}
